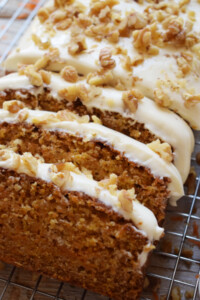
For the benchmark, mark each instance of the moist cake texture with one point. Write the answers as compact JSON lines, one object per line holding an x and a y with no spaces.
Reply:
{"x":127,"y":112}
{"x":42,"y":229}
{"x":95,"y":137}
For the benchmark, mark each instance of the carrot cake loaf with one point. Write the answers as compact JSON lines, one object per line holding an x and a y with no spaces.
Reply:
{"x":145,"y":44}
{"x":125,"y":111}
{"x":66,"y":225}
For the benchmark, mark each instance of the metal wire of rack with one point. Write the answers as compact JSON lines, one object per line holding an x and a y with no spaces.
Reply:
{"x":177,"y":265}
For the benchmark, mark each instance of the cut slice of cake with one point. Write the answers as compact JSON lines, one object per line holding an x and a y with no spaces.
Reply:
{"x":65,"y":137}
{"x":125,"y":111}
{"x":153,"y":46}
{"x":59,"y":222}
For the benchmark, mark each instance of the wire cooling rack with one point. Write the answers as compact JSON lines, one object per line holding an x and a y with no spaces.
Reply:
{"x":174,"y":272}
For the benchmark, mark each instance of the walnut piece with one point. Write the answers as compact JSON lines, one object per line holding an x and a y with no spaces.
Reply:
{"x":161,"y":98}
{"x":162,"y":149}
{"x":131,"y":98}
{"x":13,"y":106}
{"x":126,"y":198}
{"x":72,"y":93}
{"x":77,"y":45}
{"x":30,"y":163}
{"x":105,"y":58}
{"x":62,"y":179}
{"x":69,"y":73}
{"x":34,"y":77}
{"x":191,"y":100}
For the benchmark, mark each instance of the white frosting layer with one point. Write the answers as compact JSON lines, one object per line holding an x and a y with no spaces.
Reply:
{"x":133,"y":150}
{"x":141,"y":216}
{"x":160,"y":67}
{"x":162,"y":122}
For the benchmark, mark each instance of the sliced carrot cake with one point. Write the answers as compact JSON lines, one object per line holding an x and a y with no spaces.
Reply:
{"x":128,"y":112}
{"x":66,"y":225}
{"x":153,"y":46}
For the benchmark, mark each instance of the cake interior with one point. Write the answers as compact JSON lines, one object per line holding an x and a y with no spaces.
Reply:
{"x":95,"y":156}
{"x":70,"y":237}
{"x":110,"y":119}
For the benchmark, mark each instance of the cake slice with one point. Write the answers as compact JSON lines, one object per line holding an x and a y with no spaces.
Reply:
{"x":59,"y":222}
{"x":152,"y":46}
{"x":65,"y":137}
{"x":125,"y":111}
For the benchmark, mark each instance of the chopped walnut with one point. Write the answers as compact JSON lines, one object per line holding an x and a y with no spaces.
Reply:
{"x":65,"y":115}
{"x":184,"y":66}
{"x":96,"y":120}
{"x":113,"y":37}
{"x":191,"y":100}
{"x":61,"y":179}
{"x":162,"y":149}
{"x":30,"y":163}
{"x":34,"y":77}
{"x":23,"y":115}
{"x":176,"y":293}
{"x":74,"y":92}
{"x":97,"y":6}
{"x":98,"y":79}
{"x":13,"y":106}
{"x":136,"y":21}
{"x":64,"y":24}
{"x":161,"y":98}
{"x":106,"y":60}
{"x":46,"y":76}
{"x":109,"y":184}
{"x":77,"y":46}
{"x":43,"y":45}
{"x":131,"y":98}
{"x":126,"y":198}
{"x":69,"y":73}
{"x":143,"y":40}
{"x":43,"y":14}
{"x":41,"y":63}
{"x":46,"y":118}
{"x":83,"y":21}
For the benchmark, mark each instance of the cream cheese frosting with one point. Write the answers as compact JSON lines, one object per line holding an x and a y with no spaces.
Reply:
{"x":142,"y":217}
{"x":161,"y":72}
{"x":160,"y":121}
{"x":133,"y":150}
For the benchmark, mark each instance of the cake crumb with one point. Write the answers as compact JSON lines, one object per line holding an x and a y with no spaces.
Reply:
{"x":176,"y":293}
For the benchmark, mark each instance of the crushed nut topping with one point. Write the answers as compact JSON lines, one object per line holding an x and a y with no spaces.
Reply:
{"x":162,"y":149}
{"x":65,"y":115}
{"x":43,"y":45}
{"x":13,"y":106}
{"x":43,"y":14}
{"x":191,"y":100}
{"x":110,"y":184}
{"x":96,"y":120}
{"x":74,"y":92}
{"x":69,"y":73}
{"x":46,"y":76}
{"x":161,"y":98}
{"x":126,"y":198}
{"x":77,"y":45}
{"x":131,"y":98}
{"x":105,"y":58}
{"x":60,"y":178}
{"x":34,"y":77}
{"x":30,"y":163}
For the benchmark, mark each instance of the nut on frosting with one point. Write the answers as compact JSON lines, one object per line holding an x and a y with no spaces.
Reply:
{"x":162,"y":149}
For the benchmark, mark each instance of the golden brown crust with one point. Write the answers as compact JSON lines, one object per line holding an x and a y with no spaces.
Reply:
{"x":73,"y":238}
